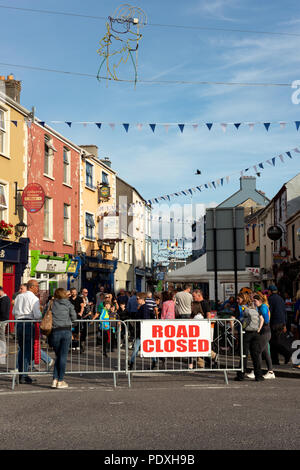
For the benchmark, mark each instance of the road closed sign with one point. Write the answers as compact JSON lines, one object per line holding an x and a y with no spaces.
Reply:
{"x":175,"y":338}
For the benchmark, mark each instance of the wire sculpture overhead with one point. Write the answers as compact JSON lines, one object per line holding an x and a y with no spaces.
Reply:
{"x":121,"y":40}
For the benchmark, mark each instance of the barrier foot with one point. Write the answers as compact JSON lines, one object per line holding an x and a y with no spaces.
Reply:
{"x":129,"y":379}
{"x":115,"y":380}
{"x":225,"y":377}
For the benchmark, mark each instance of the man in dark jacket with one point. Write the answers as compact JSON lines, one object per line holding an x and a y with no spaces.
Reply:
{"x":278,"y":343}
{"x":4,"y":313}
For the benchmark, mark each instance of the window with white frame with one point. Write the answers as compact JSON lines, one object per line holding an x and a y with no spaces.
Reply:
{"x":89,"y":170}
{"x":67,"y":223}
{"x":48,"y":218}
{"x":130,"y":254}
{"x":89,"y":226}
{"x":125,"y":257}
{"x":3,"y":202}
{"x":66,"y":163}
{"x":105,"y":179}
{"x":48,"y":166}
{"x":120,"y":251}
{"x":2,"y":131}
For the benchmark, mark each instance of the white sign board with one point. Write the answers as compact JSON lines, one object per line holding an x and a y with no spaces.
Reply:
{"x":51,"y":266}
{"x":109,"y":228}
{"x":160,"y":338}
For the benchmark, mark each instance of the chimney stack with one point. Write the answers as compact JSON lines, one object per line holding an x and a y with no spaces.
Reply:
{"x":12,"y":88}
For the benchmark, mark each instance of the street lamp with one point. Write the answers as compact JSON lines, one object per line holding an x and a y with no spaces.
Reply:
{"x":20,"y":229}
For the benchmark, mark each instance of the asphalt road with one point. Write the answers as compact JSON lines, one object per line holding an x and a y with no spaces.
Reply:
{"x":183,"y":412}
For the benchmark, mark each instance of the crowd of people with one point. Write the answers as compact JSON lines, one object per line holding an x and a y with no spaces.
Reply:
{"x":267,"y":320}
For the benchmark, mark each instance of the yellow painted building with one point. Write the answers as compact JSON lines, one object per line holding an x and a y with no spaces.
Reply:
{"x":97,"y":201}
{"x":13,"y":176}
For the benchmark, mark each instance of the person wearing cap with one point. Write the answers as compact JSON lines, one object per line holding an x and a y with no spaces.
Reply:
{"x":277,"y":325}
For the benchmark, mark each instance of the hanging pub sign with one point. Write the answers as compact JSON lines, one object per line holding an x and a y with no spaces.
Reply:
{"x":103,"y":192}
{"x":274,"y":232}
{"x":33,"y":197}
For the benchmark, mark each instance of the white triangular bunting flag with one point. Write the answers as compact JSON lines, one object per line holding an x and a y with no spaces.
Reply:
{"x":270,"y":163}
{"x":224,"y":126}
{"x":282,"y":125}
{"x":251,"y":125}
{"x":255,"y":168}
{"x":227,"y":179}
{"x":281,"y":158}
{"x":112,"y":125}
{"x":166,"y":126}
{"x":296,"y":150}
{"x":139,"y":126}
{"x":195,"y":126}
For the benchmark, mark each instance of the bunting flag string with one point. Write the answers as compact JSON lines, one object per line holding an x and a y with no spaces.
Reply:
{"x":167,"y":125}
{"x":219,"y":182}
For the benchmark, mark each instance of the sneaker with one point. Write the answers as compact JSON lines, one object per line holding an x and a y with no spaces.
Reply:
{"x":54,"y":383}
{"x":62,"y":384}
{"x":259,"y":379}
{"x":251,"y":375}
{"x":269,"y":375}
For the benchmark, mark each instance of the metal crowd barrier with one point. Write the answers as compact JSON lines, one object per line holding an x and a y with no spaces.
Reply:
{"x":92,"y":351}
{"x":20,"y":351}
{"x":226,"y":351}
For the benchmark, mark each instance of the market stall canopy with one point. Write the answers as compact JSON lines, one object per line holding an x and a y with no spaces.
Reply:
{"x":196,"y":272}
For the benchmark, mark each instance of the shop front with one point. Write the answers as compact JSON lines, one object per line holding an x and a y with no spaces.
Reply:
{"x":13,"y":261}
{"x":49,"y":271}
{"x":96,"y":272}
{"x":139,"y":279}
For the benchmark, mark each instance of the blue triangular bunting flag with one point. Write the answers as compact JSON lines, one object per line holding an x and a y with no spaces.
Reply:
{"x":237,"y":125}
{"x":98,"y":124}
{"x":198,"y":187}
{"x":15,"y":123}
{"x":209,"y":125}
{"x":289,"y":154}
{"x":152,"y":127}
{"x":261,"y":165}
{"x":190,"y":191}
{"x":273,"y":161}
{"x":267,"y":125}
{"x":297,"y":125}
{"x":126,"y":127}
{"x":214,"y":184}
{"x":69,"y":123}
{"x":181,"y":127}
{"x":222,"y":181}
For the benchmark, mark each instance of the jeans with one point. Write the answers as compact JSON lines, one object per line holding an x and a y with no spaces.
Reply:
{"x":265,"y":348}
{"x":137,"y":345}
{"x":251,"y":342}
{"x":25,"y":335}
{"x":61,"y":341}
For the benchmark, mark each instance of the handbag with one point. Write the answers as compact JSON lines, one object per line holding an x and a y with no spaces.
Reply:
{"x":46,"y":323}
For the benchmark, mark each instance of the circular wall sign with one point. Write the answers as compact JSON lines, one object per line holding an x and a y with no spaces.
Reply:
{"x":33,"y":197}
{"x":274,"y":233}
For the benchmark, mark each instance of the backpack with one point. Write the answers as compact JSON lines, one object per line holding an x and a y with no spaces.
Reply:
{"x":251,"y":319}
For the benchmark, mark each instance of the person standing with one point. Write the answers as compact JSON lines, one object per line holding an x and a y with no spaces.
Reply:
{"x":4,"y":318}
{"x":261,"y":303}
{"x":168,"y":306}
{"x":151,"y":310}
{"x":26,"y":310}
{"x":122,"y":297}
{"x":63,"y":314}
{"x":104,"y":325}
{"x":183,"y":302}
{"x":278,"y":326}
{"x":84,"y":315}
{"x":251,"y":338}
{"x":78,"y":304}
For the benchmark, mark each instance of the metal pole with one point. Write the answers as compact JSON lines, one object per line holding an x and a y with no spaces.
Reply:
{"x":235,"y":252}
{"x":215,"y":261}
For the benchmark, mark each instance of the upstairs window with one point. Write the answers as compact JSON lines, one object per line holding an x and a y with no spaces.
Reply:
{"x":89,"y":226}
{"x":3,"y":203}
{"x":89,"y":175}
{"x":66,"y":163}
{"x":2,"y":131}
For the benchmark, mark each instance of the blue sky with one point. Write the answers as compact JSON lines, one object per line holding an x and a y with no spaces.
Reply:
{"x":163,"y":163}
